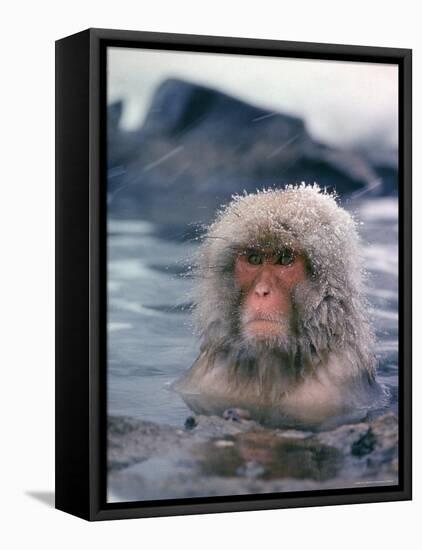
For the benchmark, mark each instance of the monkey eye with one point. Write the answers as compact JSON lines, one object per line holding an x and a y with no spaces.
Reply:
{"x":254,"y":259}
{"x":286,"y":257}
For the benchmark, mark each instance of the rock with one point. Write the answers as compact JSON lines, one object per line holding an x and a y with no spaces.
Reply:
{"x":236,"y":414}
{"x":364,"y":445}
{"x":190,"y":423}
{"x":148,"y":461}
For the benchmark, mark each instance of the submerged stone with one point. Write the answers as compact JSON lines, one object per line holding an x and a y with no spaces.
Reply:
{"x":364,"y":445}
{"x":147,"y":461}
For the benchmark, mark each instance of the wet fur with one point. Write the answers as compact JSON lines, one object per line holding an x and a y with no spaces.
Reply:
{"x":327,"y":365}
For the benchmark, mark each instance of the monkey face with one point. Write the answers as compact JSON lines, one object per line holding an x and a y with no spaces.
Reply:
{"x":266,"y":279}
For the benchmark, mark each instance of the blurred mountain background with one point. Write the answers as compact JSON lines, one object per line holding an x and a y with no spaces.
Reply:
{"x":196,"y":146}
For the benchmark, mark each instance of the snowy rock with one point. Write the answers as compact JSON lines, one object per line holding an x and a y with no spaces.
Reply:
{"x":147,"y":461}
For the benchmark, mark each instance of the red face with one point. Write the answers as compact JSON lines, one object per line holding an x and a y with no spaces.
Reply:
{"x":266,"y":279}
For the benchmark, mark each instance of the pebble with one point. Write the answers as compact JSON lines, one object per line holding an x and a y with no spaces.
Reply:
{"x":236,"y":415}
{"x":222,"y":443}
{"x":190,"y":423}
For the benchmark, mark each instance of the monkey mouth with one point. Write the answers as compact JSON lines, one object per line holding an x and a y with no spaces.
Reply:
{"x":264,"y":327}
{"x":261,"y":321}
{"x":247,"y":320}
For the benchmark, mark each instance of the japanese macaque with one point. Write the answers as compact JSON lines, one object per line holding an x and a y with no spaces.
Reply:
{"x":280,"y":310}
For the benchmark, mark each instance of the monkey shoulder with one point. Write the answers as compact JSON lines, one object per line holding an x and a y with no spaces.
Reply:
{"x":340,"y":385}
{"x":207,"y":375}
{"x":336,"y":387}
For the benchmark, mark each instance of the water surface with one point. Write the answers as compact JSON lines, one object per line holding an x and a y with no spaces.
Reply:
{"x":150,"y":334}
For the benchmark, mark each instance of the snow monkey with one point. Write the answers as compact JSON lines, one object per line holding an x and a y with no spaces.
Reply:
{"x":280,"y":310}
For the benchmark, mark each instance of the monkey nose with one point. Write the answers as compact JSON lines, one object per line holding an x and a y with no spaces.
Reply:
{"x":262,"y":290}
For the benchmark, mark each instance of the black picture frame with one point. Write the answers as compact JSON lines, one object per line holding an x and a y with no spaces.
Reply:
{"x":81,"y":273}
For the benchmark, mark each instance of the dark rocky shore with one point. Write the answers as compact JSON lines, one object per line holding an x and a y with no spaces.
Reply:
{"x":212,"y":456}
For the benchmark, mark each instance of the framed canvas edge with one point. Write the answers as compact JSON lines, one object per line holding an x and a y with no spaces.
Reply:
{"x":99,"y":39}
{"x":72,"y":368}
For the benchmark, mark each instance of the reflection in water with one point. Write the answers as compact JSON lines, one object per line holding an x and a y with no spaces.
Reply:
{"x":276,"y":417}
{"x":362,"y":399}
{"x":261,"y":455}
